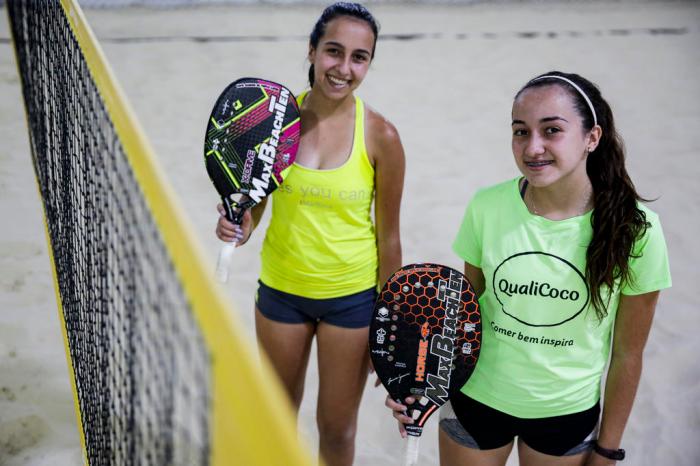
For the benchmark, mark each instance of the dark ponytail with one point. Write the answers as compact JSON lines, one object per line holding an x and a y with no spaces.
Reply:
{"x":617,"y":220}
{"x":354,"y":10}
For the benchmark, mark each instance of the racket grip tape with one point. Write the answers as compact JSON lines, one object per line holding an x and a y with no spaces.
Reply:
{"x":411,"y":453}
{"x":224,"y":262}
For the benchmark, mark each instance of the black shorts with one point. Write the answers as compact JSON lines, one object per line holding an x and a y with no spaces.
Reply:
{"x":352,"y":311}
{"x":486,"y":428}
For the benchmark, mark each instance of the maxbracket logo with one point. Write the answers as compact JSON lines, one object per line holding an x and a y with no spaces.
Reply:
{"x":268,"y":150}
{"x":540,"y":289}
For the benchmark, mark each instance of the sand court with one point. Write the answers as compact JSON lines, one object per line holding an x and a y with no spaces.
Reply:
{"x":445,"y":76}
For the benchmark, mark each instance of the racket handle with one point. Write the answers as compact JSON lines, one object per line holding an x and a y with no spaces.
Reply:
{"x":224,"y":262}
{"x":411,"y":456}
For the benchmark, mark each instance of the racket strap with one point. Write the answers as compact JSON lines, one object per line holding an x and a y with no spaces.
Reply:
{"x":235,"y":210}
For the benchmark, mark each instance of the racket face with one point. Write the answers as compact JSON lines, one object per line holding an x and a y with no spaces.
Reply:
{"x":425,"y":336}
{"x":252,"y":136}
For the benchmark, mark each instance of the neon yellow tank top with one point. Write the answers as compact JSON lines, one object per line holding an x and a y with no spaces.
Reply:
{"x":321,"y":242}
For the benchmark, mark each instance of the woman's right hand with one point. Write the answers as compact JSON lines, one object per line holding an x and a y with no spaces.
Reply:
{"x":230,"y":232}
{"x":399,"y":412}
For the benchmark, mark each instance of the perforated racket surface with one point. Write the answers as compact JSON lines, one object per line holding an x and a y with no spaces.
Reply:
{"x":252,"y":137}
{"x":425,"y":337}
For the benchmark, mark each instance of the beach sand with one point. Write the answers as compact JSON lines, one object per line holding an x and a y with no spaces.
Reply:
{"x":448,"y":88}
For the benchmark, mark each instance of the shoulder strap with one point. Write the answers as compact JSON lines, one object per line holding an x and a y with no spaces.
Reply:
{"x":523,"y":188}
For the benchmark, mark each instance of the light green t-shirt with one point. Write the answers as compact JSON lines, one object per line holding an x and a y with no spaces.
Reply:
{"x":544,"y":349}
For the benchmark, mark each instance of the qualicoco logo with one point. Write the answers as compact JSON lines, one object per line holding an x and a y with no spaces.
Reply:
{"x":540,"y":289}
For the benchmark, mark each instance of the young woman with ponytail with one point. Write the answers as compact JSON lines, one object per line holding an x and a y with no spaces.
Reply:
{"x":323,"y":253}
{"x":568,"y":265}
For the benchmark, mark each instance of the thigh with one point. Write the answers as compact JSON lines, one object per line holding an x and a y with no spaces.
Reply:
{"x":530,"y":457}
{"x":343,"y":363}
{"x":287,"y":346}
{"x":453,"y":453}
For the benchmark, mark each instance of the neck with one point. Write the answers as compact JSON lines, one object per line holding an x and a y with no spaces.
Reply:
{"x":559,"y":202}
{"x":322,"y":106}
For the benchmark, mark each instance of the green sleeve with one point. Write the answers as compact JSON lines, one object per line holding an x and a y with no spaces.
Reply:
{"x":467,"y":244}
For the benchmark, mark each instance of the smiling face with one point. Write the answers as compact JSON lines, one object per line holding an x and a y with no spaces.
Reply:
{"x":342,"y":57}
{"x":549,"y":142}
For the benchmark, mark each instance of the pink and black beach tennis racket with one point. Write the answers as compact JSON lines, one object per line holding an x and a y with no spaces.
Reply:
{"x":425,"y":338}
{"x":252,"y":137}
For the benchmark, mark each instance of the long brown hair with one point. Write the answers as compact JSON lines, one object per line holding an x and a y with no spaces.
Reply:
{"x":617,"y":220}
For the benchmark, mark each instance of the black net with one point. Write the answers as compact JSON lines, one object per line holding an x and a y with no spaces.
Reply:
{"x":141,"y":368}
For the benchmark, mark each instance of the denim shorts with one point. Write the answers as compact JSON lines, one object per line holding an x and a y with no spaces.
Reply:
{"x":475,"y":425}
{"x":352,"y":311}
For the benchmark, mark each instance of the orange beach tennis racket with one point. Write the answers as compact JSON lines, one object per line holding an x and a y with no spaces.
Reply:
{"x":425,"y":338}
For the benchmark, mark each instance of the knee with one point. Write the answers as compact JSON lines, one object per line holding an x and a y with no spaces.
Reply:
{"x":337,"y":431}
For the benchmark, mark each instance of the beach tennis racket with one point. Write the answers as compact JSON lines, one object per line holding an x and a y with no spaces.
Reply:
{"x":252,"y":137}
{"x":424,"y":340}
